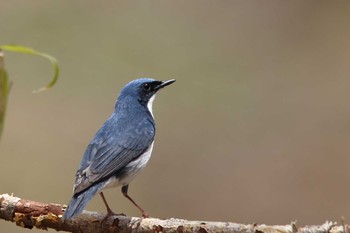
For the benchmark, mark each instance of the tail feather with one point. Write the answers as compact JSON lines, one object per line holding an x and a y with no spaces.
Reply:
{"x":80,"y":200}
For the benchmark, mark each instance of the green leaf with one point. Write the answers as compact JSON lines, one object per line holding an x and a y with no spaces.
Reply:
{"x":4,"y":90}
{"x":26,"y":50}
{"x":5,"y":84}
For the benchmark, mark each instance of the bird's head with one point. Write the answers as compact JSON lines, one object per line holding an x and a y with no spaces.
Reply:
{"x":143,"y":91}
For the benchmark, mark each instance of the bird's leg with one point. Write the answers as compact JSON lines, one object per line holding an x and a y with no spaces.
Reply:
{"x":109,"y":211}
{"x":125,"y":193}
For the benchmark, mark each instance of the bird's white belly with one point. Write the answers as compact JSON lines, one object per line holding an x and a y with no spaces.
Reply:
{"x":134,"y":167}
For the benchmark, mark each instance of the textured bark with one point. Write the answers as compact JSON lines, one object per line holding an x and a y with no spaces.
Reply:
{"x":31,"y":214}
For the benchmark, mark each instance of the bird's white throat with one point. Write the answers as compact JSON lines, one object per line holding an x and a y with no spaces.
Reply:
{"x":150,"y":103}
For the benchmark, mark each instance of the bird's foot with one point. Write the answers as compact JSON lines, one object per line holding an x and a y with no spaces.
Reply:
{"x":110,"y":214}
{"x":145,"y":214}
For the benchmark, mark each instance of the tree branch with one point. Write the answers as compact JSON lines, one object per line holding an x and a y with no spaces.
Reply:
{"x":29,"y":214}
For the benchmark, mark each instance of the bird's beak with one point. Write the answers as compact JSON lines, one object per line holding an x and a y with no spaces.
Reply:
{"x":164,"y":84}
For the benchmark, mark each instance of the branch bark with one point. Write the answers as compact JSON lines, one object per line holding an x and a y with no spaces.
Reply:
{"x":30,"y":214}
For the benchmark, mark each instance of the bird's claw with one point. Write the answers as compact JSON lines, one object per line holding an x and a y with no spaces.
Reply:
{"x":110,"y":214}
{"x":145,"y":214}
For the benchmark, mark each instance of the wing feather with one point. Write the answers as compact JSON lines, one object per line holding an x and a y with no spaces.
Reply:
{"x":114,"y":146}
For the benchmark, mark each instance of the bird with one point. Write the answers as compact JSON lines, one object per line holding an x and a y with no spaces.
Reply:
{"x":120,"y":149}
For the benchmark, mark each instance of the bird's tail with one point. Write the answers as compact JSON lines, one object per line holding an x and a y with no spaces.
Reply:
{"x":80,"y":200}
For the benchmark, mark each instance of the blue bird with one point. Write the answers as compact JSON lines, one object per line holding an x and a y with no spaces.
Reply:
{"x":120,"y":149}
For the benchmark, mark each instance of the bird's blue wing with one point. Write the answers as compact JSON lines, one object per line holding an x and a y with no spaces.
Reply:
{"x":114,"y":146}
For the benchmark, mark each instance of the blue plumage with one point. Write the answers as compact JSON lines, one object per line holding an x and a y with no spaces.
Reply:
{"x":120,"y":149}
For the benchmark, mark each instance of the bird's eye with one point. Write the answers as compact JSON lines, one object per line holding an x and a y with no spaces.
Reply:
{"x":146,"y":86}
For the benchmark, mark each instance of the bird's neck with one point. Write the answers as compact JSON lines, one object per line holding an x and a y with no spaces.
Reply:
{"x":131,"y":106}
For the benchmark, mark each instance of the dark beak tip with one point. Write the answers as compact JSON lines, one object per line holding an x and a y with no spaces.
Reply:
{"x":165,"y":83}
{"x":169,"y":81}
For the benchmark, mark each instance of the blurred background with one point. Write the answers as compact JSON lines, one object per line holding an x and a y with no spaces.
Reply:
{"x":255,"y":130}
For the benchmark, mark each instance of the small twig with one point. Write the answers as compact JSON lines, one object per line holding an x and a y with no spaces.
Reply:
{"x":294,"y":226}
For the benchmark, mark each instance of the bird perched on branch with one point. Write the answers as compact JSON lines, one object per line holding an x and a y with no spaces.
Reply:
{"x":120,"y":149}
